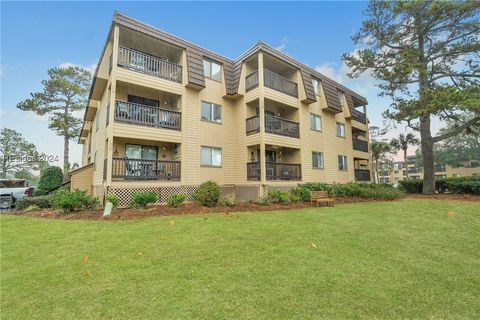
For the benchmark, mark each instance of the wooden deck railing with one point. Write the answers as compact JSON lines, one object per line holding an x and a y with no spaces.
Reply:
{"x":362,"y":175}
{"x":360,"y":145}
{"x":253,"y":171}
{"x":148,"y":64}
{"x":282,"y":127}
{"x":252,"y":125}
{"x":142,"y":169}
{"x":134,"y":113}
{"x":279,"y":83}
{"x":274,"y":171}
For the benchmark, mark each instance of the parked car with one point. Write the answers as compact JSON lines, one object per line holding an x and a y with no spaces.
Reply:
{"x":11,"y":190}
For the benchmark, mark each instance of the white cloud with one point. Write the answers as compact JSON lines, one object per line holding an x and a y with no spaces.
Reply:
{"x":283,"y":44}
{"x":90,"y":67}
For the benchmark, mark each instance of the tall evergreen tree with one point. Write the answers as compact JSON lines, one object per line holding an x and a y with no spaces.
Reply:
{"x":63,"y":94}
{"x":426,"y":56}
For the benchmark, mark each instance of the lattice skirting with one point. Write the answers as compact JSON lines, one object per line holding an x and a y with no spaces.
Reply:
{"x":241,"y":193}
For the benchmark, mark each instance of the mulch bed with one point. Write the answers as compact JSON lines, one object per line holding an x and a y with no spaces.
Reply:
{"x":189,"y":208}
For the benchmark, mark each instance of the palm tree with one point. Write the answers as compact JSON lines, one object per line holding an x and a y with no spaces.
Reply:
{"x":378,"y":149}
{"x":402,"y":143}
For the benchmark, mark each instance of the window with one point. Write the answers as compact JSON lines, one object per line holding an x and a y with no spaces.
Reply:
{"x":212,"y":70}
{"x":342,"y":162}
{"x":315,"y":122}
{"x":317,"y":160}
{"x":136,"y":151}
{"x":341,"y":98}
{"x":96,"y":120}
{"x":211,"y":156}
{"x":340,"y":129}
{"x":142,"y":100}
{"x":211,"y":112}
{"x":316,"y":86}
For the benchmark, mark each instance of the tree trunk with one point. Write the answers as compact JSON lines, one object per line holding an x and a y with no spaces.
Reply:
{"x":427,"y":154}
{"x":65,"y":157}
{"x":377,"y":177}
{"x":405,"y":161}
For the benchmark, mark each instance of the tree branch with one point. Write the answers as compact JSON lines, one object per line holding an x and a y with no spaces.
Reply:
{"x":457,"y":130}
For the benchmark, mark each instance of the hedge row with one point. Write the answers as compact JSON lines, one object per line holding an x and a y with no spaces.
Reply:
{"x":359,"y":190}
{"x":40,"y":201}
{"x":446,"y":185}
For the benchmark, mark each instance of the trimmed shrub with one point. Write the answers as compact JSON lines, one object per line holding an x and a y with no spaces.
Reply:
{"x":411,"y":185}
{"x":38,"y":193}
{"x":276,"y":195}
{"x":207,"y":194}
{"x":446,"y":185}
{"x":299,"y":194}
{"x":50,"y":178}
{"x":359,"y":190}
{"x":175,"y":200}
{"x":74,"y":200}
{"x":41,"y":202}
{"x":113,"y":199}
{"x":228,"y":202}
{"x":142,"y":199}
{"x":263,"y":201}
{"x":316,"y":186}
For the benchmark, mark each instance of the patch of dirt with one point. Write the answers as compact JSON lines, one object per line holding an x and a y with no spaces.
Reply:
{"x":189,"y":208}
{"x":445,"y":196}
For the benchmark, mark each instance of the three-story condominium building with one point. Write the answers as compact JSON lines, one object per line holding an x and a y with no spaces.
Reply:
{"x":166,"y":115}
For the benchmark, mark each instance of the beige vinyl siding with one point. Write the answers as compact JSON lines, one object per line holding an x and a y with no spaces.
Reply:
{"x":82,"y":179}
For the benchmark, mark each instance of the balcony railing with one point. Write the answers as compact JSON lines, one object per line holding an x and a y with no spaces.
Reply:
{"x":252,"y":125}
{"x":283,"y":171}
{"x":251,"y":81}
{"x":281,"y":126}
{"x":253,"y":171}
{"x":274,"y":125}
{"x":279,"y":83}
{"x":147,"y":64}
{"x":413,"y":170}
{"x":134,"y":113}
{"x":360,"y":117}
{"x":440,"y":168}
{"x":362,"y":175}
{"x":274,"y":171}
{"x":360,"y":145}
{"x":142,"y":169}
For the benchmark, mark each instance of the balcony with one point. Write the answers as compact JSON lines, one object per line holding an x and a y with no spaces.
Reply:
{"x":273,"y":125}
{"x":362,"y":175}
{"x":273,"y":81}
{"x":360,"y":117}
{"x":142,"y":169}
{"x":413,"y":170}
{"x":440,"y":168}
{"x":148,"y":64}
{"x":275,"y":171}
{"x":360,"y":145}
{"x":139,"y":114}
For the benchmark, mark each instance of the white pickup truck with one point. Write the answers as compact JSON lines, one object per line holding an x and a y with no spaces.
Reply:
{"x":11,"y":190}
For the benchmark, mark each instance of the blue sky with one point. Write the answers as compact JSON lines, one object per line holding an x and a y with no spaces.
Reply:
{"x":37,"y":36}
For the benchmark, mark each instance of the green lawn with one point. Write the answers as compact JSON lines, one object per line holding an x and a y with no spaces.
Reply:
{"x":406,"y":259}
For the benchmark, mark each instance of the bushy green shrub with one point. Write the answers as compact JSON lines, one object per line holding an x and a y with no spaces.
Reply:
{"x":113,"y":199}
{"x":263,"y":201}
{"x":175,"y":200}
{"x":32,"y":207}
{"x":299,"y":194}
{"x":207,"y":194}
{"x":41,"y":202}
{"x":38,"y":193}
{"x":142,"y":199}
{"x":276,"y":195}
{"x":411,"y":185}
{"x":50,"y":178}
{"x":74,"y":200}
{"x":316,"y":186}
{"x":446,"y":185}
{"x":228,"y":202}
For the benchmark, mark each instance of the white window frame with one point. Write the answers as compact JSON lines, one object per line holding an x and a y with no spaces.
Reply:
{"x":208,"y":66}
{"x":343,"y":163}
{"x":320,"y":160}
{"x":313,"y":115}
{"x":212,"y":150}
{"x":342,"y":132}
{"x":212,"y":107}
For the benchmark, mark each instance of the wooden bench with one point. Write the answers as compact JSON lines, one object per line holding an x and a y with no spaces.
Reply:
{"x":321,"y":197}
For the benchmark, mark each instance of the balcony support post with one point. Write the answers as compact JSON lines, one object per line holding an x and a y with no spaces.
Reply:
{"x":261,"y":111}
